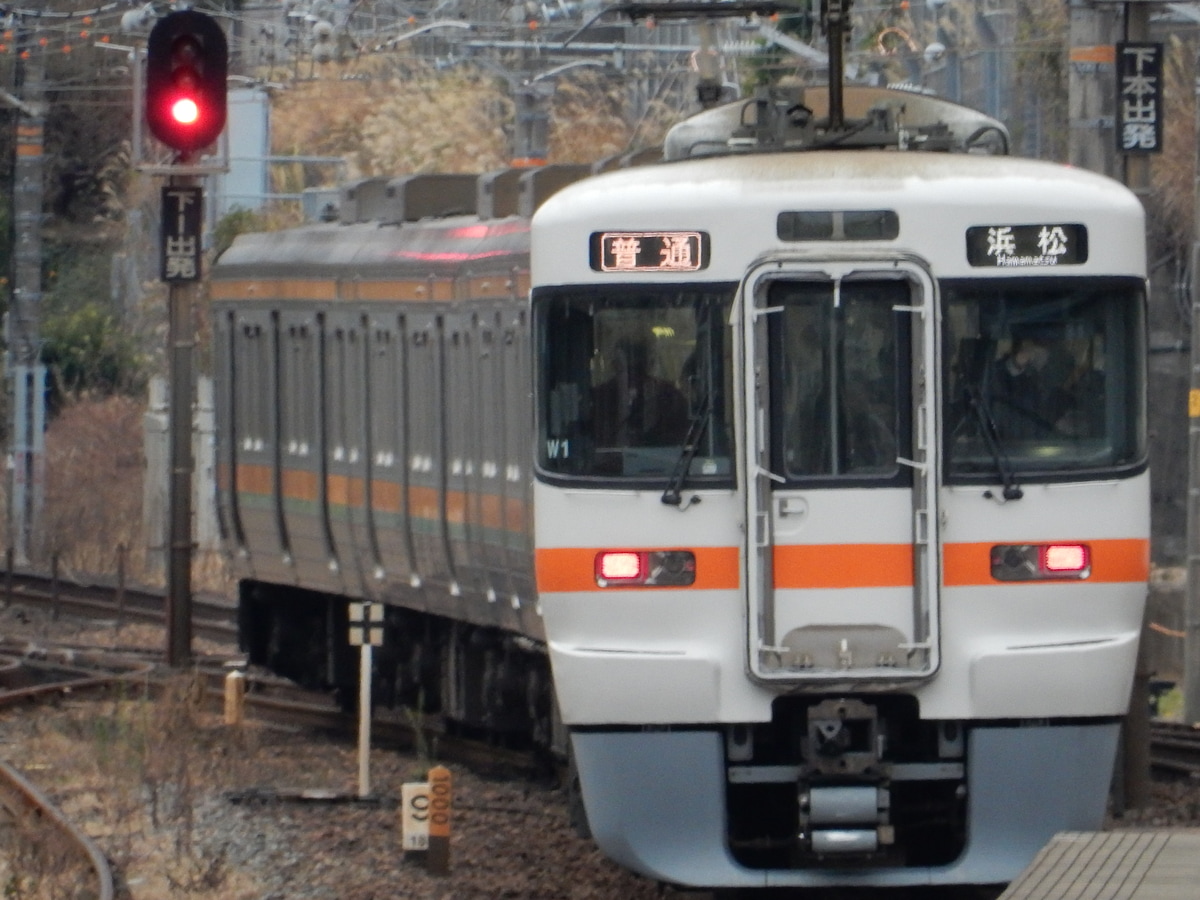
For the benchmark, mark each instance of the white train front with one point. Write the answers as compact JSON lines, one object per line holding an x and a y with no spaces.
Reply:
{"x":841,"y":509}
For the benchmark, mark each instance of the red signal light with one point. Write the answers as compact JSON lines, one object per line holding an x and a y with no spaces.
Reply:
{"x":187,"y":59}
{"x":185,"y":111}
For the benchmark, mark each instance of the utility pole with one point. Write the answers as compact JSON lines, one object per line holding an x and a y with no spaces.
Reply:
{"x":1098,"y":104}
{"x":182,"y":220}
{"x":531,"y":128}
{"x":1191,"y":618}
{"x":1092,"y":102}
{"x":27,"y":374}
{"x":1136,"y":175}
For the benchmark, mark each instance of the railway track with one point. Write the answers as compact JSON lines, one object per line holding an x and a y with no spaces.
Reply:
{"x":48,"y":848}
{"x":212,"y":617}
{"x":48,"y":843}
{"x":268,"y":699}
{"x":1175,"y":747}
{"x":52,"y":844}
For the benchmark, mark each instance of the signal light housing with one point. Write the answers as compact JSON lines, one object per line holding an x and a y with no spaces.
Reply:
{"x":187,"y":59}
{"x":1040,"y":562}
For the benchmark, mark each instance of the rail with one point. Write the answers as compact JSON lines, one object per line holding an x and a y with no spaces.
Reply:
{"x":212,"y":617}
{"x":1175,"y":747}
{"x":32,"y":809}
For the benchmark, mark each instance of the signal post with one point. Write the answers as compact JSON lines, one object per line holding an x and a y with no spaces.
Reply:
{"x":185,"y":108}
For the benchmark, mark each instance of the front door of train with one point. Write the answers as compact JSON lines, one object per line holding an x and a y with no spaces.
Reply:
{"x":839,"y":405}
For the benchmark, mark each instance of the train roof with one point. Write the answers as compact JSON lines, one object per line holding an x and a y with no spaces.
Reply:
{"x":436,"y":248}
{"x":862,"y":175}
{"x":738,"y":199}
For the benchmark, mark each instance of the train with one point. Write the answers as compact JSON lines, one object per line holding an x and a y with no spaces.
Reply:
{"x":793,"y":489}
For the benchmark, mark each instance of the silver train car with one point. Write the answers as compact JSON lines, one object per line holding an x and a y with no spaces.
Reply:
{"x":373,"y":422}
{"x":797,"y":495}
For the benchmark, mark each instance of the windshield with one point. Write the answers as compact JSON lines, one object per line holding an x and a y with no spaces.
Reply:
{"x":839,"y":364}
{"x":1043,"y":376}
{"x":629,"y":379}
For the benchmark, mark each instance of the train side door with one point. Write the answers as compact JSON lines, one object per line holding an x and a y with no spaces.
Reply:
{"x":839,"y":400}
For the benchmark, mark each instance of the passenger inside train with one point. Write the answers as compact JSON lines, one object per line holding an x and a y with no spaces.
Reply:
{"x":635,"y":407}
{"x":1045,"y":380}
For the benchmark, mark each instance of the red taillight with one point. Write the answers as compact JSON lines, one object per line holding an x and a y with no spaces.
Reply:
{"x":1036,"y":562}
{"x":648,"y":568}
{"x":621,"y":566}
{"x":1065,"y":559}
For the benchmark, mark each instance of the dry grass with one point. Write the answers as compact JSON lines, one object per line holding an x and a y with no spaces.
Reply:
{"x":92,"y":512}
{"x":134,"y":772}
{"x":93,"y":496}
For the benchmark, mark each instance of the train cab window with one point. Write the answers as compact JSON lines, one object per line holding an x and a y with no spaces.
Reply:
{"x":1043,"y":378}
{"x":630,"y":378}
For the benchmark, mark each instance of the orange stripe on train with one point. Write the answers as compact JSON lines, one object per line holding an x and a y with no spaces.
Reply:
{"x":489,"y":510}
{"x":841,"y":566}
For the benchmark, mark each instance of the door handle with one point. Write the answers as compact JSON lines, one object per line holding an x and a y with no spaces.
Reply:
{"x":793,"y":507}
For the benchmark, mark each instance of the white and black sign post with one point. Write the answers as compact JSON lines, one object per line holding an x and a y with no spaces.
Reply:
{"x":1139,"y":97}
{"x":366,"y":633}
{"x":182,"y":223}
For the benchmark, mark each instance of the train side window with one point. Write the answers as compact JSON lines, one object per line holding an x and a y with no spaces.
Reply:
{"x":353,"y":385}
{"x":254,"y":362}
{"x":384,"y":379}
{"x":307,"y":377}
{"x":297,"y":412}
{"x":227,"y":408}
{"x":423,"y":414}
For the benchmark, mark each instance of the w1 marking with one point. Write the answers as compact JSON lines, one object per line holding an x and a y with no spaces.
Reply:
{"x":366,"y":624}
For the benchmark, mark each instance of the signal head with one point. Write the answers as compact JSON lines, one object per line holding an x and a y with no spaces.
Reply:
{"x":187,"y":58}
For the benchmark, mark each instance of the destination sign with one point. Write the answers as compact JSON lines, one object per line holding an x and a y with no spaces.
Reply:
{"x":649,"y":251}
{"x":1026,"y":246}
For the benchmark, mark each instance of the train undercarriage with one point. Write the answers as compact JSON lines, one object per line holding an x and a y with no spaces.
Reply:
{"x":846,"y":781}
{"x":480,"y":680}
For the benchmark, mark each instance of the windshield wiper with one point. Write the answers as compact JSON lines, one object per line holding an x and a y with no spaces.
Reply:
{"x":991,"y":437}
{"x":672,"y":495}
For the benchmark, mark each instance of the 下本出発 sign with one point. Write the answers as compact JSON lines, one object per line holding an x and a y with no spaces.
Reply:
{"x":1139,"y":97}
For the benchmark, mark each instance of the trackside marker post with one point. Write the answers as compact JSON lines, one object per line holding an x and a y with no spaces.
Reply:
{"x":366,"y":633}
{"x":414,"y":818}
{"x":437,"y":861}
{"x":235,"y":697}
